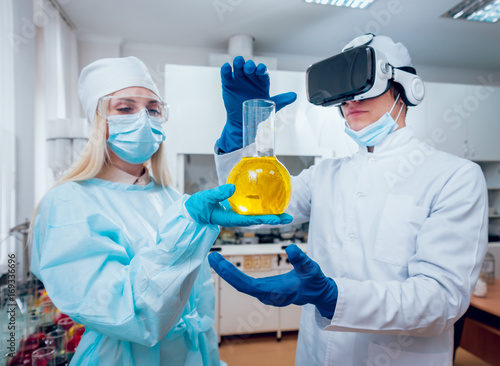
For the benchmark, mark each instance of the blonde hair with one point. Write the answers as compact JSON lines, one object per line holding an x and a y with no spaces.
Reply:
{"x":95,"y":156}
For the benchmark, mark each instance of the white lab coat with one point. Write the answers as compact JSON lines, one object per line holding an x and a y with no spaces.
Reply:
{"x":403,"y":232}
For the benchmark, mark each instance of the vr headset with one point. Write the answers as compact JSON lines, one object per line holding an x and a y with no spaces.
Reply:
{"x":360,"y":72}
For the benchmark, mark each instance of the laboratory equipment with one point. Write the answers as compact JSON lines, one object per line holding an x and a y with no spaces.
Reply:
{"x":44,"y":356}
{"x":488,"y":269}
{"x":263,"y":184}
{"x":31,"y":325}
{"x":66,"y":140}
{"x":58,"y":339}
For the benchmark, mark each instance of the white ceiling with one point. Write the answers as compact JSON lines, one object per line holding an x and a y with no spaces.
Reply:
{"x":293,"y":27}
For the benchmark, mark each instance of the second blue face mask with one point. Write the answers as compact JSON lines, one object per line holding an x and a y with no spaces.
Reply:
{"x":134,"y":138}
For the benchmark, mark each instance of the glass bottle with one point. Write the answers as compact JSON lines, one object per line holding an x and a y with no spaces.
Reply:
{"x":263,"y":184}
{"x":488,"y":269}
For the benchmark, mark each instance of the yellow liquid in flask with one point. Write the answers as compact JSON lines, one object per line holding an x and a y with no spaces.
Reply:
{"x":263,"y":186}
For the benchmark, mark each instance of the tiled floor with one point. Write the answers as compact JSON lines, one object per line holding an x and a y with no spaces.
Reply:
{"x":264,"y":350}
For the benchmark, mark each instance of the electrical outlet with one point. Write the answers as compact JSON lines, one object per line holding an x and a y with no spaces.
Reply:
{"x":265,"y":261}
{"x":248,"y":262}
{"x":256,"y":261}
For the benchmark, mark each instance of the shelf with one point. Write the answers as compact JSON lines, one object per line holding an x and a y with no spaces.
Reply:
{"x":497,"y":216}
{"x":493,"y":188}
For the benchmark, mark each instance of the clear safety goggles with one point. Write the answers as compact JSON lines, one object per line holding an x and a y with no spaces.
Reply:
{"x":132,"y":104}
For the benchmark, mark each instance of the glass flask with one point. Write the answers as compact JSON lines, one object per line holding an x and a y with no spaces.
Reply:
{"x":44,"y":356}
{"x":263,"y":185}
{"x":58,"y":339}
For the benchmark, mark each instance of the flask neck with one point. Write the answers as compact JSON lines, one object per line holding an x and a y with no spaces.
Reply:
{"x":253,"y":151}
{"x":258,"y":127}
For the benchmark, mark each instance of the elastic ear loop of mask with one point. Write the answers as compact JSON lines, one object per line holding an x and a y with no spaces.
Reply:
{"x":400,"y":109}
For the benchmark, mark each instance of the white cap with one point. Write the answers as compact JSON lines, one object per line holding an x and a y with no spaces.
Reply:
{"x":396,"y":53}
{"x":108,"y":75}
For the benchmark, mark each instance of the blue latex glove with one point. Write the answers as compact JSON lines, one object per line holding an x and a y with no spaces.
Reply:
{"x":207,"y":208}
{"x":305,"y":284}
{"x":246,"y":81}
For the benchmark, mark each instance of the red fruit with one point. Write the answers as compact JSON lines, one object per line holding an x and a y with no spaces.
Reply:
{"x":79,"y":331}
{"x":73,"y":343}
{"x":59,"y":316}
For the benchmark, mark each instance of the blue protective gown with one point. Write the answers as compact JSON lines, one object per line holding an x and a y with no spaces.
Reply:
{"x":129,"y":263}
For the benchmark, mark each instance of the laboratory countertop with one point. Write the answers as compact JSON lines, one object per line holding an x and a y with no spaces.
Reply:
{"x":490,"y":303}
{"x":255,"y":249}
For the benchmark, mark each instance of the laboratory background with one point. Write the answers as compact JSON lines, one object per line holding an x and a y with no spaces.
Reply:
{"x":44,"y":44}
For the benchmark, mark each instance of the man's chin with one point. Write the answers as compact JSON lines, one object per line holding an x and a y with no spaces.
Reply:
{"x":358,"y":125}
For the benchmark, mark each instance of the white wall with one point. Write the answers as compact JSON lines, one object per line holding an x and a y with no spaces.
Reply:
{"x":24,"y":90}
{"x":155,"y":56}
{"x":92,"y":48}
{"x":457,"y":75}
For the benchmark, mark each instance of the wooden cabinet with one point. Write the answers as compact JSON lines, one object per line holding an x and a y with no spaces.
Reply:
{"x":481,"y":333}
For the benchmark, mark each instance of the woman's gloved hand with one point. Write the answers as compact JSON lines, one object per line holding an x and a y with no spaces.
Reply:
{"x":245,"y":81}
{"x":206,"y":208}
{"x":305,"y":284}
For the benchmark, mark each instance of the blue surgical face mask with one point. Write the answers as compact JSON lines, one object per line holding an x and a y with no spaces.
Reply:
{"x":374,"y":133}
{"x":134,"y":138}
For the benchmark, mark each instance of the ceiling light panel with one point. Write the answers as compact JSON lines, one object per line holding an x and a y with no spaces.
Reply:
{"x":360,"y":4}
{"x":476,"y":10}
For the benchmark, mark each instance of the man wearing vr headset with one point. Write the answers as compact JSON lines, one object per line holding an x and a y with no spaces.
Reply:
{"x":393,"y":253}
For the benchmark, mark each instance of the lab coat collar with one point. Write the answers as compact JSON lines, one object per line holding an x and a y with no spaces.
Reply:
{"x":113,"y":174}
{"x":400,"y":137}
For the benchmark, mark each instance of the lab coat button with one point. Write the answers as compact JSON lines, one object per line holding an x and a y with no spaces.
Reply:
{"x":360,"y":195}
{"x":352,"y":236}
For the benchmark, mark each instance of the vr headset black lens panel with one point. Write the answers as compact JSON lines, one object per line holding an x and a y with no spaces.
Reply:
{"x":340,"y":78}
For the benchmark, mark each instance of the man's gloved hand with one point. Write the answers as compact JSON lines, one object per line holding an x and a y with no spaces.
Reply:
{"x":246,"y":81}
{"x":206,"y":208}
{"x":305,"y":284}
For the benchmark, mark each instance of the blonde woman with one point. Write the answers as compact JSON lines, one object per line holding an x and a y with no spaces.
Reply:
{"x":120,"y":251}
